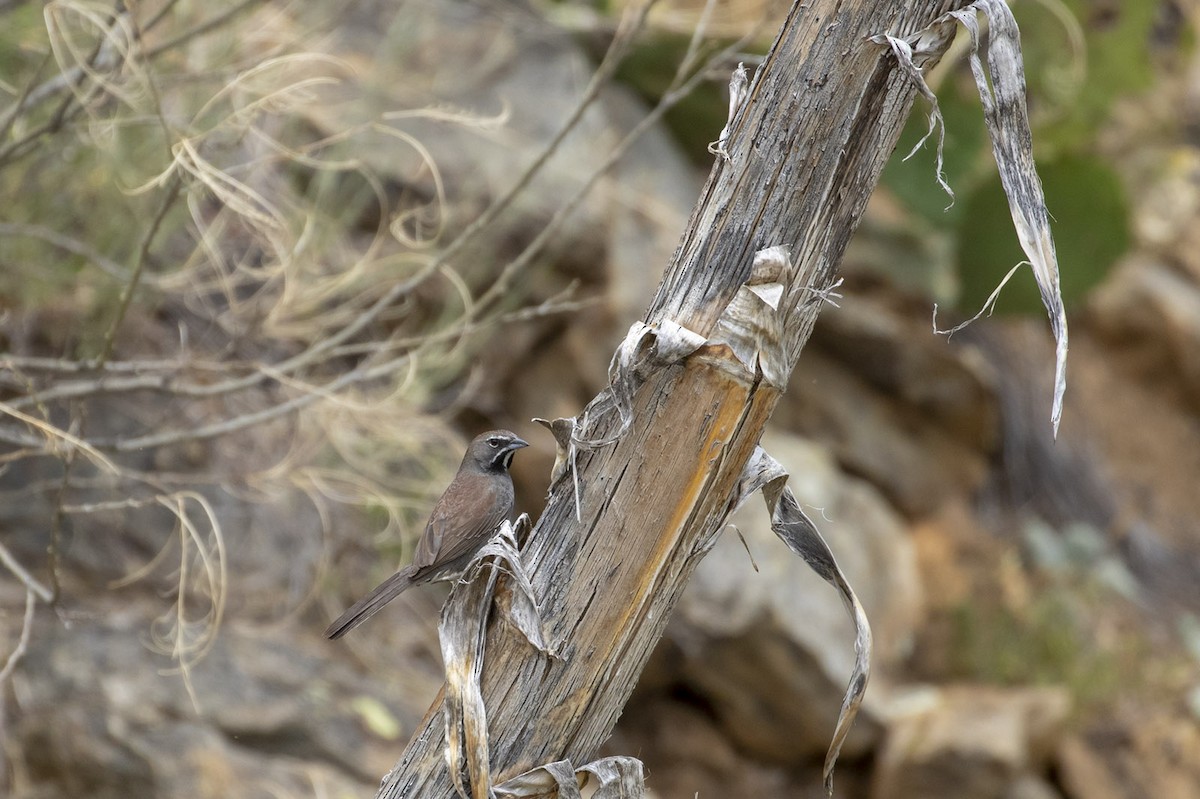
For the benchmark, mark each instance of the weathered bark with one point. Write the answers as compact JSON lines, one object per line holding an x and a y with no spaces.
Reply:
{"x":821,"y":119}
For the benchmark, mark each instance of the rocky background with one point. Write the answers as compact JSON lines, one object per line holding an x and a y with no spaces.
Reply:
{"x":1034,"y":601}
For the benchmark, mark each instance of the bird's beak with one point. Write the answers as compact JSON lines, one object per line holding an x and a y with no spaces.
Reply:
{"x":517,"y":443}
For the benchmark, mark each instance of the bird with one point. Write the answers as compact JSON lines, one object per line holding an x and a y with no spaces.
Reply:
{"x":464,"y":518}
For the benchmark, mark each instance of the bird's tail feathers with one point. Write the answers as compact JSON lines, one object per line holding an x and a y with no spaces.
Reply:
{"x":369,"y":605}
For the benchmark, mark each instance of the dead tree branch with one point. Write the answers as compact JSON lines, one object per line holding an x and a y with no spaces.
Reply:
{"x":805,"y":150}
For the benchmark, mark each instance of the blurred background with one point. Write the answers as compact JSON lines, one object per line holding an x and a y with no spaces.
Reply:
{"x":263,"y":273}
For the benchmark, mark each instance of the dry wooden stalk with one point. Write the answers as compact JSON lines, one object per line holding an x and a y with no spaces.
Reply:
{"x":822,"y":116}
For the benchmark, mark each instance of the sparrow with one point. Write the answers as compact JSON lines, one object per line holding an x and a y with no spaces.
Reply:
{"x":477,"y":500}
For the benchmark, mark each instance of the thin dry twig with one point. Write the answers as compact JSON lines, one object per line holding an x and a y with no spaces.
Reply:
{"x":139,"y":264}
{"x":14,"y":657}
{"x":630,"y":25}
{"x":306,"y":322}
{"x":28,"y":580}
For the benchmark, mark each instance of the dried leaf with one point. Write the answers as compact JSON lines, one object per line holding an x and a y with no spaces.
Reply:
{"x":557,"y":778}
{"x":619,"y":777}
{"x":904,"y":57}
{"x":791,"y":524}
{"x":462,"y":631}
{"x":561,"y":429}
{"x":643,"y":347}
{"x":1007,"y":120}
{"x":1002,"y":93}
{"x":739,"y":87}
{"x":751,"y":325}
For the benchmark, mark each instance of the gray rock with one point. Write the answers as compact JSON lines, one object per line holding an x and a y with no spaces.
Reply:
{"x":102,"y":715}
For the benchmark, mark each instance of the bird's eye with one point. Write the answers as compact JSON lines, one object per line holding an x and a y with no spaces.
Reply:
{"x":494,"y":442}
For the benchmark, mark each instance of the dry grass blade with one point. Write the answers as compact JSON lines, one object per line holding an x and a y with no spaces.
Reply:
{"x":68,"y":244}
{"x":680,"y":88}
{"x":31,"y":583}
{"x":18,"y":652}
{"x":56,"y":438}
{"x":187,"y":639}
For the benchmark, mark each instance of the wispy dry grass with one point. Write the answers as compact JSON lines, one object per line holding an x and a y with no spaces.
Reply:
{"x":232,"y":296}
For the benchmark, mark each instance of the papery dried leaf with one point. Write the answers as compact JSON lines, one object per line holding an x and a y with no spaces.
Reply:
{"x":553,"y":779}
{"x":619,"y":777}
{"x":751,"y":325}
{"x":523,"y":611}
{"x":463,"y":633}
{"x":793,"y":526}
{"x":674,"y":342}
{"x":643,"y":346}
{"x":739,"y":87}
{"x":562,"y":429}
{"x":1007,"y":120}
{"x":904,"y":53}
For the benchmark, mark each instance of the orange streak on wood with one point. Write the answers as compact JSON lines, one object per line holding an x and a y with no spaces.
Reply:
{"x":729,"y":414}
{"x":726,"y":396}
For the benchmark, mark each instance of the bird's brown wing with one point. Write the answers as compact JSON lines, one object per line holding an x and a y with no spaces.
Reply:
{"x":468,"y":511}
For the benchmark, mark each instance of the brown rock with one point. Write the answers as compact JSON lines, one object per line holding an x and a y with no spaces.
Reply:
{"x":951,"y":549}
{"x":911,"y":413}
{"x":971,"y":741}
{"x":1154,"y":311}
{"x":1165,"y":217}
{"x":1029,"y":786}
{"x":1156,"y":756}
{"x":894,"y":349}
{"x":687,"y":754}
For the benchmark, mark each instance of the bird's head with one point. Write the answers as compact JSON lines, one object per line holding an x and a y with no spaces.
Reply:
{"x":493,"y":451}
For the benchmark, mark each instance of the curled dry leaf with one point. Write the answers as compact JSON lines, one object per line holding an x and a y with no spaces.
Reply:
{"x":752,"y":324}
{"x":739,"y":87}
{"x":644,"y":347}
{"x":562,"y":429}
{"x":796,"y":530}
{"x":462,"y":631}
{"x":1002,"y":93}
{"x":617,"y":777}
